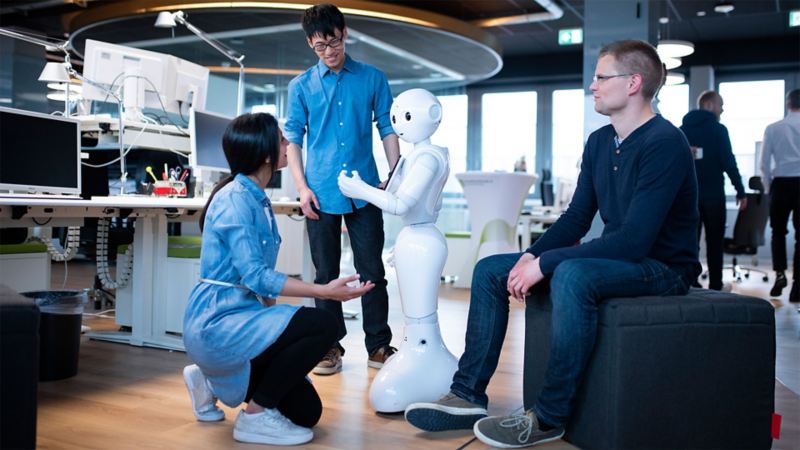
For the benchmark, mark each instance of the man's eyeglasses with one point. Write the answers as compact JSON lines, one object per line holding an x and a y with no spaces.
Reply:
{"x":320,"y":47}
{"x":601,"y":78}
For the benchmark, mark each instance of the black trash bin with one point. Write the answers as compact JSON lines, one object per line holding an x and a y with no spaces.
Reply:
{"x":59,"y":332}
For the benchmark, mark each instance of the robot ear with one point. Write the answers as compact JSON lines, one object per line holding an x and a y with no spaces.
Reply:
{"x":435,"y":112}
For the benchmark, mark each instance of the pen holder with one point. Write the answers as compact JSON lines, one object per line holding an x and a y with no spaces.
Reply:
{"x":169,"y":189}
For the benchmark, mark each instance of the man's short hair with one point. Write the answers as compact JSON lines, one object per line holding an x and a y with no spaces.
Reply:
{"x":634,"y":56}
{"x":706,"y":98}
{"x":793,"y":98}
{"x":323,"y":20}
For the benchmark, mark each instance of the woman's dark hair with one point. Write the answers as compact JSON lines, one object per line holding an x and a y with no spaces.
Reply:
{"x":323,"y":20}
{"x":249,"y":141}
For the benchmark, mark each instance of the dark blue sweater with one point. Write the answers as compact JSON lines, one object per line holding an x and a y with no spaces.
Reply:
{"x":646,"y":192}
{"x":702,"y":129}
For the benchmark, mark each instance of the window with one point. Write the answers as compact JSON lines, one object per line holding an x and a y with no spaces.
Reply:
{"x":749,"y":106}
{"x":673,"y":103}
{"x":270,"y":109}
{"x":452,"y":133}
{"x":567,"y":132}
{"x":508,"y":130}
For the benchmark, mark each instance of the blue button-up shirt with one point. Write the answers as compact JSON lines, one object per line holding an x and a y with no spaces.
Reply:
{"x":337,"y":110}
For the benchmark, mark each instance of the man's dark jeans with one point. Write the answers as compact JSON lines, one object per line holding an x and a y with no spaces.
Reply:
{"x":365,"y":229}
{"x":577,"y":287}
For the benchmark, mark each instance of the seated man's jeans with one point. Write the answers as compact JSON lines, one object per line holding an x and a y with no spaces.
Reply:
{"x":576,"y":289}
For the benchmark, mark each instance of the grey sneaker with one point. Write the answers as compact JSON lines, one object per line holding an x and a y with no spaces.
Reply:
{"x":450,"y":412}
{"x":514,"y":431}
{"x":331,"y":363}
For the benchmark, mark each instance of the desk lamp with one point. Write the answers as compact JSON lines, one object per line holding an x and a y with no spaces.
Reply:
{"x":168,"y":19}
{"x":61,"y":72}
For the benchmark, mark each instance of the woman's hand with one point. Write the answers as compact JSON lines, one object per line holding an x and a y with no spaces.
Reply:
{"x":339,"y":290}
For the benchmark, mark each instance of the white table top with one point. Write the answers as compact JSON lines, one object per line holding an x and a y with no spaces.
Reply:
{"x":132,"y":201}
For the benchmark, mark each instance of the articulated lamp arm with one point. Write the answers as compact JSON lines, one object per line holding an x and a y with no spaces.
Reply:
{"x":233,"y":55}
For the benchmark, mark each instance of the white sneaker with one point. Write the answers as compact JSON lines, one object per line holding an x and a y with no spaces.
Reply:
{"x":269,"y":427}
{"x":204,"y":404}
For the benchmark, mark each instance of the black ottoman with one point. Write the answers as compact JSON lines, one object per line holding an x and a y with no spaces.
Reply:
{"x":695,"y":371}
{"x":19,"y":369}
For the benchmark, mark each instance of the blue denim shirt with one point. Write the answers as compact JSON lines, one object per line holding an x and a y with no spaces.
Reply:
{"x":337,"y":110}
{"x":225,"y":327}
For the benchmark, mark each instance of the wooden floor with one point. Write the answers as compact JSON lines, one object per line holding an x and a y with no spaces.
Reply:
{"x":131,"y":397}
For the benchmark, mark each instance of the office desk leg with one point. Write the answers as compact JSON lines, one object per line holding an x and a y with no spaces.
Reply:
{"x":148,"y":318}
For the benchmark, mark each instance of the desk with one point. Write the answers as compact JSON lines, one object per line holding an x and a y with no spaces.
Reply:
{"x":143,"y":135}
{"x":536,"y":217}
{"x":149,"y":248}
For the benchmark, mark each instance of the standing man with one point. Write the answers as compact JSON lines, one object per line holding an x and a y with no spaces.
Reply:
{"x":638,"y":173}
{"x":780,"y":166}
{"x":335,"y":102}
{"x":713,"y":156}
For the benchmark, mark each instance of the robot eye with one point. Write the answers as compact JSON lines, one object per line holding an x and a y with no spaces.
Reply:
{"x":394,"y":120}
{"x":408,"y":116}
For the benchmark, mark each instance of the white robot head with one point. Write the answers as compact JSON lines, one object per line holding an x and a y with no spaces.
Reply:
{"x":416,"y":114}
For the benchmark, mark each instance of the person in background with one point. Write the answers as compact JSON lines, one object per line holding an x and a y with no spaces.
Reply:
{"x":335,"y":102}
{"x":713,"y":157}
{"x":244,"y":346}
{"x":780,"y":168}
{"x":638,"y":173}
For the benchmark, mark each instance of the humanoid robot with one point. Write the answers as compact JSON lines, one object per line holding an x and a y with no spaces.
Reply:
{"x":423,"y":367}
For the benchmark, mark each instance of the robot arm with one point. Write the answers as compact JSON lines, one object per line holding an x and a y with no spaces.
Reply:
{"x":412,"y":187}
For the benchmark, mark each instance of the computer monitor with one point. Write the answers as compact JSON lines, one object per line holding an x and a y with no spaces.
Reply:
{"x":205,"y":136}
{"x":39,"y":153}
{"x":173,"y":82}
{"x":206,"y":130}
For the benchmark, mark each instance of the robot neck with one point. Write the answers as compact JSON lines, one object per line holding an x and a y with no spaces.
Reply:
{"x":425,"y":143}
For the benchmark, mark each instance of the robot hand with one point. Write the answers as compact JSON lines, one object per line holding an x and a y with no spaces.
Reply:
{"x":354,"y":186}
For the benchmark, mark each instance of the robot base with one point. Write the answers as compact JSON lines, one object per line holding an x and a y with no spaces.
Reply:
{"x":421,"y":370}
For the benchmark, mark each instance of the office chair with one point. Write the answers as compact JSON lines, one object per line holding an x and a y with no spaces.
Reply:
{"x":546,"y":189}
{"x":748,"y":232}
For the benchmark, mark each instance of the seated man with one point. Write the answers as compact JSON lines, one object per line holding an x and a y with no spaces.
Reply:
{"x":638,"y":172}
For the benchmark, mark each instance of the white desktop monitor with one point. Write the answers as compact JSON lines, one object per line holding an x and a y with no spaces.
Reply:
{"x":206,"y":130}
{"x":39,"y":153}
{"x":173,"y":82}
{"x":191,"y":85}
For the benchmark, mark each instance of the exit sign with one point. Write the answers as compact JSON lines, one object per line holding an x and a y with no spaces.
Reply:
{"x":570,"y":36}
{"x":794,"y":18}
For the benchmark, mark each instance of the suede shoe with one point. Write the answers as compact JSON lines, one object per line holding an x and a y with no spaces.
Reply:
{"x":780,"y":283}
{"x":331,"y":363}
{"x":204,"y":403}
{"x":514,"y":431}
{"x":379,"y":357}
{"x":450,"y":412}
